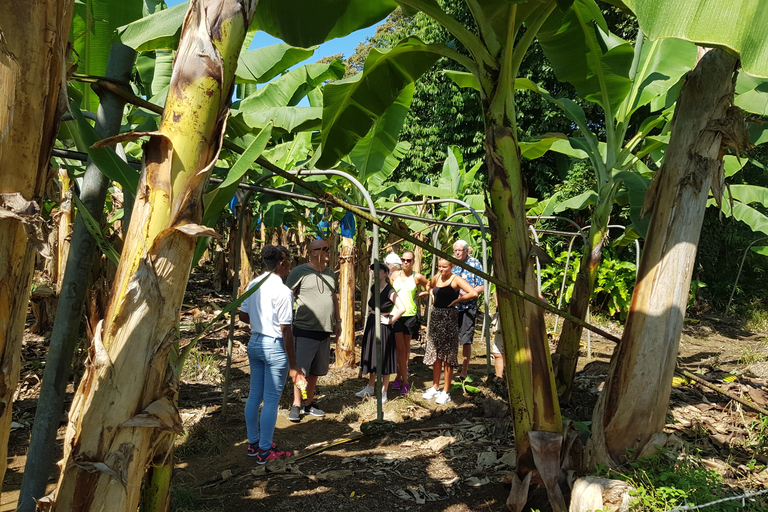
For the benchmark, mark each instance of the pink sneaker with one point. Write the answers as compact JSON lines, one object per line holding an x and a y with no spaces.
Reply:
{"x":396,"y":383}
{"x":271,"y":454}
{"x":405,"y":388}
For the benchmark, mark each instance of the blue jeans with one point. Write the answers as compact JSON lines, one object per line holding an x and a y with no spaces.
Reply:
{"x":269,"y":369}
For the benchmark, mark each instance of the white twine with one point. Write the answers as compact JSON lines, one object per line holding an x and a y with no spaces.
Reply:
{"x":742,"y":497}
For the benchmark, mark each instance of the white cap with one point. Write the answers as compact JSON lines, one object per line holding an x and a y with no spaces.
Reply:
{"x":393,"y":259}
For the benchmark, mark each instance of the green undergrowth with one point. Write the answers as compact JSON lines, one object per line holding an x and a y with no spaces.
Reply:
{"x":668,"y":480}
{"x":754,"y":315}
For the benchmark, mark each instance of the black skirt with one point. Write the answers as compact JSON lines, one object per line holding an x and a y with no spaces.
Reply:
{"x":368,"y":357}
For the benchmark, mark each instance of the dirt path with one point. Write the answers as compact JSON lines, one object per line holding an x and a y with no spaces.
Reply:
{"x":451,"y":458}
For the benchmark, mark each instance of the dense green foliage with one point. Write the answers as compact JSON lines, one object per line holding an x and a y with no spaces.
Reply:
{"x":613,"y":287}
{"x":668,"y":480}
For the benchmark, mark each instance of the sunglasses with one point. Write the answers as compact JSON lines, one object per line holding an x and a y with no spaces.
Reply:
{"x":406,"y":260}
{"x":324,"y":249}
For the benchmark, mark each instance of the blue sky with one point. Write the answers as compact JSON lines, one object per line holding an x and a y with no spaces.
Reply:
{"x":345,"y":45}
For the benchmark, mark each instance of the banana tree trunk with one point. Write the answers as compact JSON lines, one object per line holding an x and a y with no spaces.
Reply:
{"x":75,"y":282}
{"x":531,"y":383}
{"x":362,"y":272}
{"x":345,"y":345}
{"x":634,"y":402}
{"x":32,"y":65}
{"x":123,"y":412}
{"x":533,"y":398}
{"x":570,"y":338}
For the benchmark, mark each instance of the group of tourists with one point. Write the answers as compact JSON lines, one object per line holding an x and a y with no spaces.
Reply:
{"x":452,"y":322}
{"x":292,"y":323}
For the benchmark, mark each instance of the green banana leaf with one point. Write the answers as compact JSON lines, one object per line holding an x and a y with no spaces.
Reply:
{"x":377,"y":155}
{"x":754,"y":99}
{"x":556,"y":142}
{"x":740,"y":25}
{"x":584,"y":53}
{"x":351,"y":106}
{"x":663,"y":62}
{"x":636,"y":184}
{"x":108,"y":162}
{"x":274,"y":214}
{"x":756,"y":220}
{"x":160,"y":30}
{"x":218,"y":198}
{"x":463,"y":79}
{"x":288,"y":119}
{"x":422,"y":189}
{"x":302,"y":23}
{"x":263,"y":64}
{"x":91,"y":34}
{"x":154,"y":70}
{"x":95,"y":230}
{"x":287,"y":154}
{"x":578,"y":202}
{"x":305,"y":23}
{"x":276,"y":101}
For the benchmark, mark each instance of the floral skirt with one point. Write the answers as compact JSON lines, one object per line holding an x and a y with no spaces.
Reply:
{"x":443,"y":336}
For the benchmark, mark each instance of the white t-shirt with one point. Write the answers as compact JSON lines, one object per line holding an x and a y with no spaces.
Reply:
{"x":270,"y":306}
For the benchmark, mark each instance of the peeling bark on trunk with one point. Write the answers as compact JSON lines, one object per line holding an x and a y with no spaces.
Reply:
{"x":345,"y":345}
{"x":123,"y":413}
{"x":635,"y":400}
{"x":64,"y":222}
{"x":245,"y":244}
{"x":32,"y":73}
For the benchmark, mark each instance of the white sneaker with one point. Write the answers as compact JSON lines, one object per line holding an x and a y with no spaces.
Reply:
{"x":442,"y":398}
{"x":383,"y":398}
{"x":366,"y":391}
{"x":430,"y":393}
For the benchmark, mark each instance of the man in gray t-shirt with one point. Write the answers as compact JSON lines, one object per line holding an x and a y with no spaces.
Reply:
{"x":315,"y":319}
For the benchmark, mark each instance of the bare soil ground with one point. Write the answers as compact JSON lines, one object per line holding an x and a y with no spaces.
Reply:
{"x":451,"y":458}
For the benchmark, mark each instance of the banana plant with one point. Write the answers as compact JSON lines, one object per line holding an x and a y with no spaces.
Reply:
{"x":643,"y":363}
{"x":605,"y":70}
{"x":494,"y":60}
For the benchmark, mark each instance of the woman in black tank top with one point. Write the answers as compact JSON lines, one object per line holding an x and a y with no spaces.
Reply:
{"x":443,"y":333}
{"x":444,"y":295}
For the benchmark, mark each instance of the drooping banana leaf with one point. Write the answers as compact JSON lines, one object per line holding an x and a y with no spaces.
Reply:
{"x":740,"y":25}
{"x":376,"y":155}
{"x":351,"y":106}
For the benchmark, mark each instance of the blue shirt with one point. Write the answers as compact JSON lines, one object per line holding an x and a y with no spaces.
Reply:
{"x":473,"y":279}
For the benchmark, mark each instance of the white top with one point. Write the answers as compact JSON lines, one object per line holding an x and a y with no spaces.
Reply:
{"x":270,"y":306}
